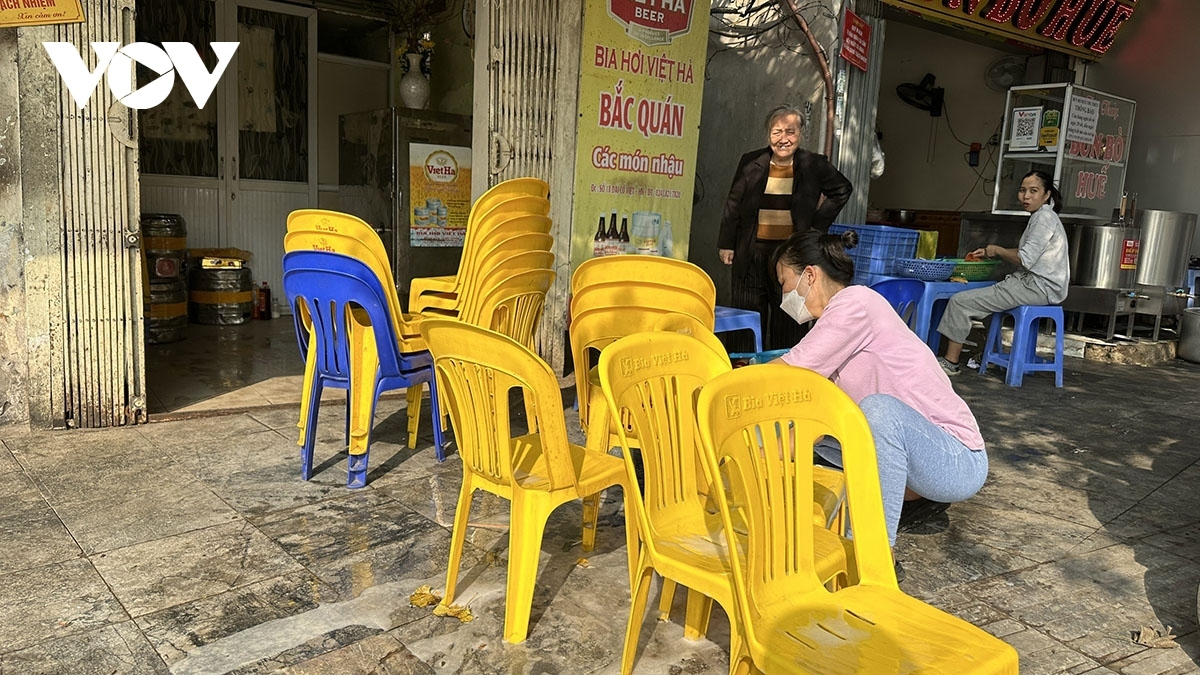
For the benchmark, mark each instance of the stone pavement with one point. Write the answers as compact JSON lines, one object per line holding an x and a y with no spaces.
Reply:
{"x":193,"y":546}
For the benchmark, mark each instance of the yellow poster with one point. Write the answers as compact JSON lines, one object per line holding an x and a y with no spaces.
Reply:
{"x":439,"y":185}
{"x":39,"y":12}
{"x":640,"y":91}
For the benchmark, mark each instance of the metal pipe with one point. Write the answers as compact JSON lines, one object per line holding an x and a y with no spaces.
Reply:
{"x":823,"y":64}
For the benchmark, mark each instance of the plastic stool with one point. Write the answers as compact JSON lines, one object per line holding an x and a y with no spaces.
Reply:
{"x":1023,"y":358}
{"x":728,"y":319}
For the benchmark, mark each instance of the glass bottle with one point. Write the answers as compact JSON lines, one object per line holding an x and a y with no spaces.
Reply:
{"x":626,"y":246}
{"x":600,"y":241}
{"x":665,"y":242}
{"x":614,"y":237}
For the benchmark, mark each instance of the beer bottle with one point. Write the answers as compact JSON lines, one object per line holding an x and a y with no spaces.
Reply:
{"x":600,"y":241}
{"x":625,"y":245}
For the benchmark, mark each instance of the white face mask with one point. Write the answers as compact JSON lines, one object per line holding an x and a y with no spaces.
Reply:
{"x":794,"y":306}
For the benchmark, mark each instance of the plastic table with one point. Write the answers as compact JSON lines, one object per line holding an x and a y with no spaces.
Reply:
{"x":933,"y":305}
{"x":730,"y":319}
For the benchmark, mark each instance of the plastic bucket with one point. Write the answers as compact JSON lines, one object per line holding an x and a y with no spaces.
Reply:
{"x":221,"y":296}
{"x":1189,"y":335}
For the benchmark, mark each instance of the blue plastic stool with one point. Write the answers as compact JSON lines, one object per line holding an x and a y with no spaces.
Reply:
{"x":1023,"y":358}
{"x":728,"y":319}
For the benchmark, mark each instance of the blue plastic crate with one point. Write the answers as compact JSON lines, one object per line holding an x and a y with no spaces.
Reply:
{"x":879,"y":247}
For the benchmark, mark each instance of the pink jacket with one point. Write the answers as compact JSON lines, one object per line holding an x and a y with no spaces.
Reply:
{"x":865,"y":348}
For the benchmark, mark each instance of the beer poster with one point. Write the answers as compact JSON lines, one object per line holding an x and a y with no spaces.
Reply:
{"x":439,"y":186}
{"x":640,"y":91}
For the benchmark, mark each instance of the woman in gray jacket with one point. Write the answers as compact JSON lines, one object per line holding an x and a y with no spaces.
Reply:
{"x":1043,"y":274}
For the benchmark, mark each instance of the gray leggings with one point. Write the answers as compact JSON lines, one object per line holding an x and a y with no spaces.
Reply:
{"x":915,"y":453}
{"x":1013,"y":291}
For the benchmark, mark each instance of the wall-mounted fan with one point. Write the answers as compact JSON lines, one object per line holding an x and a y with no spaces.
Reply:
{"x":923,"y":96}
{"x":1005,"y":72}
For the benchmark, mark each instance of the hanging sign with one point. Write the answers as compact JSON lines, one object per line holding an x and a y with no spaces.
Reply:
{"x":641,"y":83}
{"x":856,"y":40}
{"x":1084,"y":28}
{"x":39,"y":12}
{"x":439,"y":186}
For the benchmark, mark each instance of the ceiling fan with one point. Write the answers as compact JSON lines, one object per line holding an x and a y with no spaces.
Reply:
{"x":923,"y":96}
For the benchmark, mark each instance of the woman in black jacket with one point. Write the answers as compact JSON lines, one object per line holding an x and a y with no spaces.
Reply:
{"x":776,"y":191}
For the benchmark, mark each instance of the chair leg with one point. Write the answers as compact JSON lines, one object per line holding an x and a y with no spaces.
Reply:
{"x":310,"y":428}
{"x":699,"y":610}
{"x":436,"y":414}
{"x":637,"y":610}
{"x":412,"y":398}
{"x":458,"y":537}
{"x":666,"y":599}
{"x":1022,"y":347}
{"x":310,"y":372}
{"x":364,"y":367}
{"x":591,"y":516}
{"x":527,"y":523}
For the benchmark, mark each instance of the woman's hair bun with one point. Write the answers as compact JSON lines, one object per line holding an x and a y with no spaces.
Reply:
{"x":849,"y":239}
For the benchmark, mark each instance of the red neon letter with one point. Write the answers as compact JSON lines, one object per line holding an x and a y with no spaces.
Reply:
{"x":1058,"y":25}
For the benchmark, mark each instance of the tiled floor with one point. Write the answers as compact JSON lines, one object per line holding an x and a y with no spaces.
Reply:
{"x":222,"y":368}
{"x":192,"y":546}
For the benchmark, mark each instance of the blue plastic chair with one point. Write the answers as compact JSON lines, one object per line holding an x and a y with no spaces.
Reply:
{"x":330,"y":285}
{"x":904,"y":295}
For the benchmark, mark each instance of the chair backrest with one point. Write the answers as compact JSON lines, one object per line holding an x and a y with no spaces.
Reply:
{"x":636,"y":293}
{"x":476,"y":369}
{"x":330,"y":286}
{"x":690,"y":325}
{"x":903,"y":295}
{"x":347,"y":245}
{"x":512,"y":304}
{"x":758,"y":426}
{"x":650,"y":380}
{"x":618,"y":268}
{"x":514,"y":187}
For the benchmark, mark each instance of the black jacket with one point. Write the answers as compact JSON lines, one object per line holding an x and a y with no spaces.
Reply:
{"x":814,"y":176}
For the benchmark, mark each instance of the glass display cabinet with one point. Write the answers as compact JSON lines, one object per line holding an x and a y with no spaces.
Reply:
{"x":1076,"y":134}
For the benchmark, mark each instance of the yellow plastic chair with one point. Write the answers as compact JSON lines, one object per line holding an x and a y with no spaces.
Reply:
{"x":640,"y":289}
{"x":757,"y":427}
{"x":648,"y":268}
{"x":518,"y":252}
{"x":692,"y":327}
{"x":652,"y":379}
{"x":513,"y":232}
{"x":480,"y":220}
{"x":537,"y":472}
{"x":513,"y":304}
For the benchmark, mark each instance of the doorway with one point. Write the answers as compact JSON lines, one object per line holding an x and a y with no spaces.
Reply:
{"x":235,"y":169}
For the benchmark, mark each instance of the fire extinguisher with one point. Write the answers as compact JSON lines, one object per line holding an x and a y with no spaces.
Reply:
{"x":262,"y":306}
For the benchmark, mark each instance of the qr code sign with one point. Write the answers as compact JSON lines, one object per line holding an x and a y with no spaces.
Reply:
{"x":1025,"y":127}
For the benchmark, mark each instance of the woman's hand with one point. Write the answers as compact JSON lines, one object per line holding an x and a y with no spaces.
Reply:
{"x":726,"y":255}
{"x":979,"y":254}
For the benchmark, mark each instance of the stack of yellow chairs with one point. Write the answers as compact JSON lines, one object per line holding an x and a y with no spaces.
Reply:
{"x":344,"y":234}
{"x":537,"y":471}
{"x":757,"y":430}
{"x":651,"y":379}
{"x":511,"y":208}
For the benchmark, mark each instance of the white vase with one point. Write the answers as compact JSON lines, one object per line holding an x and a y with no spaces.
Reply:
{"x":414,"y":86}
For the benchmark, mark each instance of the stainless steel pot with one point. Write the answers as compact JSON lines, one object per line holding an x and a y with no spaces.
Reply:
{"x":1189,"y":335}
{"x":1101,"y":256}
{"x":1166,"y":244}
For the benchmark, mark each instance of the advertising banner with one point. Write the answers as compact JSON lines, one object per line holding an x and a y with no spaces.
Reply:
{"x":39,"y":12}
{"x":640,"y":91}
{"x":439,"y":185}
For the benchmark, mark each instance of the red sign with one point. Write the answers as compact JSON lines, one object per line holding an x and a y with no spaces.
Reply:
{"x":654,"y":22}
{"x":1085,"y":28}
{"x":1129,"y":254}
{"x":856,"y":40}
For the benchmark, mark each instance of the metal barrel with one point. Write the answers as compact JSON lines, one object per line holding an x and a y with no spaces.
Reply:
{"x":164,"y":240}
{"x":220,"y":297}
{"x":166,"y":311}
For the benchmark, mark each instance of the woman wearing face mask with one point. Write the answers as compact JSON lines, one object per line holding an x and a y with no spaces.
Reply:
{"x":1041,"y":279}
{"x":777,"y":191}
{"x":926,"y":439}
